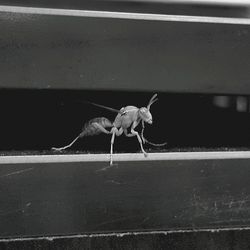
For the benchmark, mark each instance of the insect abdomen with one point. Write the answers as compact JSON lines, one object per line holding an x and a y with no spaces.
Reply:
{"x":91,"y":128}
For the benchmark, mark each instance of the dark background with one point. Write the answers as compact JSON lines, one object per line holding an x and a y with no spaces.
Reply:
{"x":36,"y":120}
{"x":50,"y":64}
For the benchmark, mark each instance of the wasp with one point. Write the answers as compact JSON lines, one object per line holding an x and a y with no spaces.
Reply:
{"x":127,"y":117}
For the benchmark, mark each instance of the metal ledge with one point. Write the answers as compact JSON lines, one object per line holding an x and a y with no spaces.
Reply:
{"x":125,"y":157}
{"x":49,"y":199}
{"x":124,"y":15}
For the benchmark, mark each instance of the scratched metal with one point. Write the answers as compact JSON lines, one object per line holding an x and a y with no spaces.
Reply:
{"x":80,"y":198}
{"x":114,"y":54}
{"x":217,"y":240}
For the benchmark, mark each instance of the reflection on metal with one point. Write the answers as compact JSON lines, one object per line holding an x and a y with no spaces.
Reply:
{"x":242,"y":104}
{"x":123,"y":15}
{"x":222,"y":101}
{"x":238,"y":103}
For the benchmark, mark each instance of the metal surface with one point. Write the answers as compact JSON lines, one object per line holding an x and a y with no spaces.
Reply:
{"x":214,"y":240}
{"x":122,"y":157}
{"x":123,"y":15}
{"x":71,"y":198}
{"x":43,"y":51}
{"x":239,"y":9}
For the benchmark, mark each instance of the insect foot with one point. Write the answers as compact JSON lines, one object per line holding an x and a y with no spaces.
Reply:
{"x":57,"y":149}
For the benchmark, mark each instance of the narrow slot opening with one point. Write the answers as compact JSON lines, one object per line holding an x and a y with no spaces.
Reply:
{"x":33,"y":121}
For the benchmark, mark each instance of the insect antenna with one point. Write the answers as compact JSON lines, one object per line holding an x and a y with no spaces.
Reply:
{"x":147,"y":141}
{"x":152,"y":100}
{"x":102,"y":106}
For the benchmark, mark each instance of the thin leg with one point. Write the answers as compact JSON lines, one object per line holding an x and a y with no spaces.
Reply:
{"x":142,"y":131}
{"x":128,"y":134}
{"x":97,"y":125}
{"x":131,"y":135}
{"x":111,"y":146}
{"x":115,"y":132}
{"x":140,"y":141}
{"x":67,"y":146}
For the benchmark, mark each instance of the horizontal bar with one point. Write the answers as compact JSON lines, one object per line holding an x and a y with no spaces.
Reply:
{"x":124,"y":157}
{"x":122,"y":234}
{"x":123,"y":15}
{"x":198,"y":2}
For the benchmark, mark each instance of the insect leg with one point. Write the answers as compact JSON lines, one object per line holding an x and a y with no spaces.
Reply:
{"x":115,"y":132}
{"x":67,"y":146}
{"x":128,"y":134}
{"x":142,"y":131}
{"x":139,"y":140}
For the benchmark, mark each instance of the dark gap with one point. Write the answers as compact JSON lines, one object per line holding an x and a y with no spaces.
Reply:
{"x":36,"y":120}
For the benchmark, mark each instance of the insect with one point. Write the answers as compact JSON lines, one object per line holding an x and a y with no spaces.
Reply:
{"x":127,"y":117}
